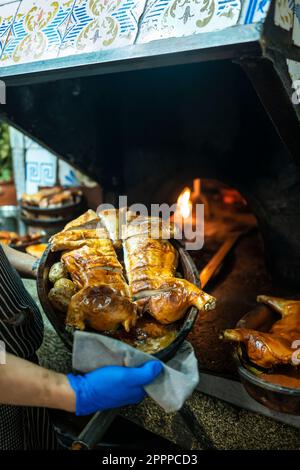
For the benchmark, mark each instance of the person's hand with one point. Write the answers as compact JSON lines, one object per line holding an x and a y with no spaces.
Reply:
{"x":112,"y":386}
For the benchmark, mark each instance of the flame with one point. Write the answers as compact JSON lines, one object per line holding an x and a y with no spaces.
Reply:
{"x":184,"y":203}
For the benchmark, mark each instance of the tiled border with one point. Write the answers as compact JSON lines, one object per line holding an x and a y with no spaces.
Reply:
{"x":37,"y":30}
{"x":34,"y":30}
{"x":8,"y":12}
{"x":284,"y":14}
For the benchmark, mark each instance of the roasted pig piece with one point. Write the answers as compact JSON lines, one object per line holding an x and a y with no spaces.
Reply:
{"x":84,"y":263}
{"x":82,"y":231}
{"x":60,"y":198}
{"x":153,"y":227}
{"x":110,"y":220}
{"x":275,"y":347}
{"x":173,"y":298}
{"x":102,"y":308}
{"x":103,"y":301}
{"x":114,"y":221}
{"x":151,"y":267}
{"x":148,"y":263}
{"x":8,"y":236}
{"x":88,"y":216}
{"x":76,"y":238}
{"x":122,"y":224}
{"x":65,"y":195}
{"x":36,"y":199}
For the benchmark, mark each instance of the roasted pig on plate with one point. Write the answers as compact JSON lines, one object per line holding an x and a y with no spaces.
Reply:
{"x":55,"y":196}
{"x":104,"y":301}
{"x":275,"y":347}
{"x":36,"y":198}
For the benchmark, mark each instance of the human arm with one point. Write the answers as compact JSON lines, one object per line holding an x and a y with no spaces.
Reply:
{"x":25,"y":264}
{"x":27,"y":384}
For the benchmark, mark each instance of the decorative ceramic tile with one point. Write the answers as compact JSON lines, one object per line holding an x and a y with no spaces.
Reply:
{"x":284,"y":14}
{"x":102,"y":24}
{"x":296,"y":28}
{"x":294,"y":71}
{"x":254,"y":11}
{"x":7,"y":15}
{"x":175,"y":18}
{"x":41,"y":167}
{"x":67,"y":174}
{"x":38,"y":30}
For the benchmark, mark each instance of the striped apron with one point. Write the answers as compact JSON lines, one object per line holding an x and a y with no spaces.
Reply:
{"x":21,"y":329}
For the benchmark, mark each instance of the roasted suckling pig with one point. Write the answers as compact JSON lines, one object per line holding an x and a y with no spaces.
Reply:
{"x":36,"y":198}
{"x":55,"y":196}
{"x":275,"y":347}
{"x":151,"y":266}
{"x":103,"y":300}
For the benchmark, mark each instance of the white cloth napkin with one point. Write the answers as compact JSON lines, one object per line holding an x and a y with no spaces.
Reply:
{"x":170,"y":389}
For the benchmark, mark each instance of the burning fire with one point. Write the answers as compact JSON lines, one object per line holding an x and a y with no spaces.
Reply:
{"x":184,"y":203}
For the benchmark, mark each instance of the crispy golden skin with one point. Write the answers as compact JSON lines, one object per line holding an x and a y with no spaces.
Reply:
{"x":123,"y":224}
{"x":76,"y":238}
{"x":82,"y":264}
{"x":173,"y":299}
{"x":88,"y":216}
{"x":81,"y":231}
{"x":110,"y":220}
{"x":275,"y":347}
{"x":151,"y":263}
{"x":103,"y":301}
{"x":102,"y":308}
{"x":148,"y":262}
{"x":151,"y":267}
{"x":152,"y":227}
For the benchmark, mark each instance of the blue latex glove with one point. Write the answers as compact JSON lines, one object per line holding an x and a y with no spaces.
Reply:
{"x":112,"y":386}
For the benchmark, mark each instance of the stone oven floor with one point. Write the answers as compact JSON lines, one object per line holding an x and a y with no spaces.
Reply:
{"x":206,"y":422}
